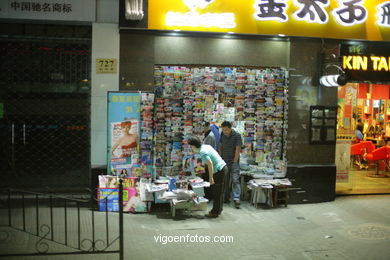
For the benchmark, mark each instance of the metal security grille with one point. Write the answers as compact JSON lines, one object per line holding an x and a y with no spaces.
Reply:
{"x":36,"y":66}
{"x":45,"y":124}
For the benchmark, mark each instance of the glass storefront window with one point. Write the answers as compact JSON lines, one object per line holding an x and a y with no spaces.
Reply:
{"x":363,"y":135}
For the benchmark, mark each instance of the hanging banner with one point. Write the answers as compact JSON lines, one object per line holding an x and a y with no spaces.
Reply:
{"x":123,"y":133}
{"x":343,"y":19}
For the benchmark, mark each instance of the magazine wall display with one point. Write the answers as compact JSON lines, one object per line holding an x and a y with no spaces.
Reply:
{"x":255,"y":99}
{"x":147,"y":134}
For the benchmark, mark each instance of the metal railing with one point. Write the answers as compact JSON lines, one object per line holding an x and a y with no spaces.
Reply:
{"x":69,"y":225}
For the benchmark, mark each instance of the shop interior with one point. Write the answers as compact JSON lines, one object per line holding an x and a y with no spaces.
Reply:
{"x":363,"y":108}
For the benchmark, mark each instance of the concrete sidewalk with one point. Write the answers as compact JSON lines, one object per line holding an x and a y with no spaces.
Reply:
{"x":351,"y":227}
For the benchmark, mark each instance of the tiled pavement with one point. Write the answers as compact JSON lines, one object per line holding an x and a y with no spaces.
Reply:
{"x":351,"y":227}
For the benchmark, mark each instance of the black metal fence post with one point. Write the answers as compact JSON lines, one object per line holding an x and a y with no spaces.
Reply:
{"x":24,"y":213}
{"x":66,"y":222}
{"x":93,"y":226}
{"x":78,"y":226}
{"x":37,"y":212}
{"x":51,"y":218}
{"x":107,"y":229}
{"x":121,"y":249}
{"x":9,"y":208}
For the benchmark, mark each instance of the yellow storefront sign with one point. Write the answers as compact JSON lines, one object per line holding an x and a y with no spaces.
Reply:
{"x":362,"y":63}
{"x":344,"y":19}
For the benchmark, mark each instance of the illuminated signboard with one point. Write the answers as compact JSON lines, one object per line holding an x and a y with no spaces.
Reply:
{"x":363,"y":62}
{"x":344,"y":19}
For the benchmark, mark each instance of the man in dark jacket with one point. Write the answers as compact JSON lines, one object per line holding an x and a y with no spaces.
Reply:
{"x":229,"y":148}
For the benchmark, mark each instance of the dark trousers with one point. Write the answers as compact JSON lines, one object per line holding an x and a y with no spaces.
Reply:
{"x":218,"y":190}
{"x":208,"y":191}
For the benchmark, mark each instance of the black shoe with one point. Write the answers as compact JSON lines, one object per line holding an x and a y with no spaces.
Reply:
{"x":237,"y":204}
{"x":227,"y":201}
{"x":211,"y":215}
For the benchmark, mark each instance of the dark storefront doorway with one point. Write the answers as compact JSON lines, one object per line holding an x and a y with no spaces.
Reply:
{"x":45,"y":110}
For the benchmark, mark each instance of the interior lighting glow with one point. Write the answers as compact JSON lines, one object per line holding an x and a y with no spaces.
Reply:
{"x":194,"y":4}
{"x":195,"y":19}
{"x":332,"y":80}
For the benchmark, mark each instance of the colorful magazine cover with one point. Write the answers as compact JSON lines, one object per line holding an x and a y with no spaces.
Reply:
{"x":108,"y":193}
{"x":136,"y":171}
{"x":132,"y":202}
{"x":199,"y":167}
{"x":123,"y":170}
{"x":146,"y":157}
{"x":188,"y":164}
{"x":124,"y":138}
{"x":108,"y":199}
{"x":108,"y":181}
{"x":132,"y":196}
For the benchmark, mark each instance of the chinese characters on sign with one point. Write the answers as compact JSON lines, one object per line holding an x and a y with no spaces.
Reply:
{"x":41,"y":7}
{"x":384,"y":14}
{"x":271,"y":10}
{"x":312,"y":11}
{"x":54,"y":10}
{"x":353,"y":12}
{"x":348,"y":12}
{"x":128,"y":99}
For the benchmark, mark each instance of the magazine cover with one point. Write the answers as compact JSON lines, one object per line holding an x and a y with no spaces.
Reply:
{"x":120,"y":167}
{"x":199,"y":166}
{"x":111,"y":195}
{"x":188,"y":164}
{"x":108,"y":194}
{"x":136,"y":170}
{"x":132,"y":196}
{"x":108,"y":181}
{"x":124,"y":138}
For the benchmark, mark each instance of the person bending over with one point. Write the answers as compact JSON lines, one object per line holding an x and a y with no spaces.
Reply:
{"x":217,"y":171}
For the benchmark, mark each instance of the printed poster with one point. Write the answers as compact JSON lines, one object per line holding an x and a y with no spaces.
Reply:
{"x":123,"y":132}
{"x":343,"y":157}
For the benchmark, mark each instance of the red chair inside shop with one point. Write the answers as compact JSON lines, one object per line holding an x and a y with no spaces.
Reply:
{"x":359,"y":150}
{"x":368,"y":146}
{"x":380,"y":157}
